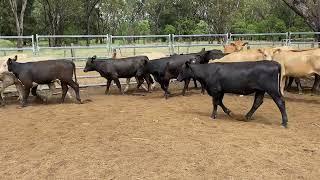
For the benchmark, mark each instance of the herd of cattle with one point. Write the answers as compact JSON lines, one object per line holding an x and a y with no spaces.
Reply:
{"x":234,"y":71}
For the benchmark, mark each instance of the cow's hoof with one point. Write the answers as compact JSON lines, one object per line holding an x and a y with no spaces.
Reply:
{"x":214,"y":116}
{"x":247,"y":118}
{"x":300,"y":93}
{"x":284,"y":126}
{"x":22,"y":106}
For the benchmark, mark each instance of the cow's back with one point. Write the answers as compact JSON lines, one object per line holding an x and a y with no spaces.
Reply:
{"x":249,"y":55}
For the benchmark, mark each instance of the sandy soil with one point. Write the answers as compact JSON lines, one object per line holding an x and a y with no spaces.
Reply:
{"x":143,"y":136}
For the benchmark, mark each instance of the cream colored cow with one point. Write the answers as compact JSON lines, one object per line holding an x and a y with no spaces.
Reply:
{"x":235,"y":46}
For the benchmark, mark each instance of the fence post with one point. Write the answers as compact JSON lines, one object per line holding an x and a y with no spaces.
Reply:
{"x":171,"y":41}
{"x":33,"y":46}
{"x":226,"y":39}
{"x":37,"y":44}
{"x":72,"y":51}
{"x":289,"y":39}
{"x":109,"y":42}
{"x":229,"y":36}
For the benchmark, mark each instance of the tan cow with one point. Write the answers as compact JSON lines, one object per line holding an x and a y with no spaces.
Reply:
{"x":297,"y":63}
{"x":249,"y":55}
{"x":235,"y":46}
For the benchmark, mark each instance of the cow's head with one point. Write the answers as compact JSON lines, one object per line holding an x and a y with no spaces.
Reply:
{"x":186,"y":72}
{"x":268,"y":54}
{"x":235,"y":46}
{"x":9,"y":63}
{"x":90,"y":64}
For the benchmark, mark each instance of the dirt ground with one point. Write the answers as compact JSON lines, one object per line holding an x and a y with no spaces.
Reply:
{"x":144,"y":136}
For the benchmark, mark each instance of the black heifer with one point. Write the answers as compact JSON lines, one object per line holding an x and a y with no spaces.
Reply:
{"x":45,"y":72}
{"x":113,"y":69}
{"x":168,"y":68}
{"x":239,"y":78}
{"x":206,"y":56}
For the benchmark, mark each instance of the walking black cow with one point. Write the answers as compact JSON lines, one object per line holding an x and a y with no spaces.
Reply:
{"x":167,"y":68}
{"x":239,"y":78}
{"x":45,"y":72}
{"x":113,"y":69}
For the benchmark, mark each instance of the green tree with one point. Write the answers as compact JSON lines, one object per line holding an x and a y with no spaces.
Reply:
{"x":143,"y":27}
{"x":169,"y":29}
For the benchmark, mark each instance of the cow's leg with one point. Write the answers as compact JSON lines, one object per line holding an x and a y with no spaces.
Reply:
{"x":152,"y":81}
{"x":186,"y":84}
{"x":224,"y":108}
{"x":52,"y":87}
{"x":282,"y":107}
{"x":1,"y":93}
{"x":64,"y":87}
{"x":289,"y":81}
{"x":165,"y":87}
{"x":108,"y":86}
{"x":7,"y":81}
{"x":148,"y":80}
{"x":25,"y":95}
{"x":195,"y":82}
{"x":140,"y":81}
{"x":116,"y":80}
{"x":258,"y":100}
{"x":203,"y":90}
{"x":215,"y":101}
{"x":316,"y":84}
{"x":34,"y":93}
{"x":127,"y":85}
{"x":19,"y":88}
{"x":298,"y":83}
{"x":76,"y":88}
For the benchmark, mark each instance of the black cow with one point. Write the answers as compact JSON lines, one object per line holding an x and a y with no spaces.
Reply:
{"x":239,"y":78}
{"x":45,"y":72}
{"x":206,"y":56}
{"x":167,"y":68}
{"x":113,"y":69}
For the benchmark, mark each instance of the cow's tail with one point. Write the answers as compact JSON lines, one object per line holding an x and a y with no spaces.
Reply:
{"x":280,"y":80}
{"x":74,"y":71}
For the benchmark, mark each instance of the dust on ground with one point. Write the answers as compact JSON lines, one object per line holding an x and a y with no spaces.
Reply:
{"x":144,"y":136}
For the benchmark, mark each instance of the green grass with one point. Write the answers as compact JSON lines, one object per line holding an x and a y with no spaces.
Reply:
{"x":6,"y":44}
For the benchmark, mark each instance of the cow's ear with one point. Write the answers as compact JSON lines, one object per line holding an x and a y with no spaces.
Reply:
{"x":9,"y":61}
{"x":15,"y":58}
{"x":233,"y":44}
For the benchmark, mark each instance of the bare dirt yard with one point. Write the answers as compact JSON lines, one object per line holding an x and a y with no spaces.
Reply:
{"x":147,"y":137}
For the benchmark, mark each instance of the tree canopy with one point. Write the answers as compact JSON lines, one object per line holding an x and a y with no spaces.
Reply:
{"x":138,"y":17}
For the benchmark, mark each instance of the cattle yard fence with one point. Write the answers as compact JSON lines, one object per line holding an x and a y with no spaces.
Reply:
{"x":79,"y":47}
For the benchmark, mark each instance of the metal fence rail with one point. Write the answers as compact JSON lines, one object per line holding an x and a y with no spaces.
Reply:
{"x":23,"y":38}
{"x":134,"y":42}
{"x":197,"y":40}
